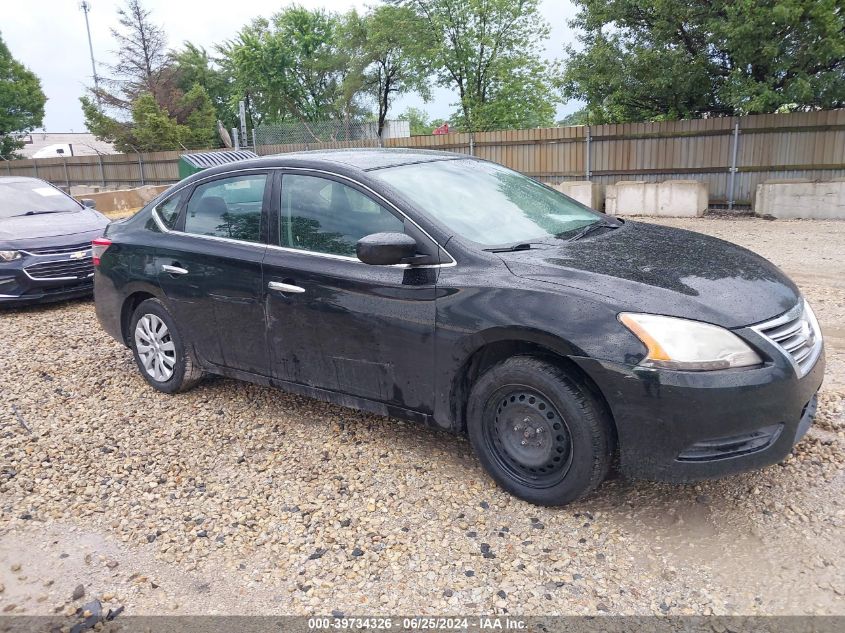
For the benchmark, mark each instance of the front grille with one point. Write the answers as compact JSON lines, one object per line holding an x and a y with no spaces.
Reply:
{"x":59,"y":250}
{"x":797,"y":334}
{"x":71,"y":269}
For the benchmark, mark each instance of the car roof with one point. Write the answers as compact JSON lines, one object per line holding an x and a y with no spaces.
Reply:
{"x":339,"y":160}
{"x":367,"y":159}
{"x":21,"y":179}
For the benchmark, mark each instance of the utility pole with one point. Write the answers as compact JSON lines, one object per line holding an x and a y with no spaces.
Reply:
{"x":86,"y":7}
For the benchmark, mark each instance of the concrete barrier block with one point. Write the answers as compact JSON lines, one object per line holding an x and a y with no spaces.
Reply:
{"x":793,"y":199}
{"x":588,"y":193}
{"x":83,"y":191}
{"x":124,"y":199}
{"x":669,"y":199}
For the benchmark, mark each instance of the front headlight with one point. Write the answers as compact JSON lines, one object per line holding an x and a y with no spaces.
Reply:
{"x":8,"y":256}
{"x":686,"y":345}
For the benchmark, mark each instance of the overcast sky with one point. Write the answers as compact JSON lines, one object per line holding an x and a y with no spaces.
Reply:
{"x":48,"y":36}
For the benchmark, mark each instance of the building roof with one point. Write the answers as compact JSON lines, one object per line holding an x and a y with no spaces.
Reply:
{"x":81,"y":144}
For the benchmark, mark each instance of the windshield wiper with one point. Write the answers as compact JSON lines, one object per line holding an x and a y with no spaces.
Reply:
{"x":521,"y":246}
{"x":20,"y":215}
{"x":595,"y":226}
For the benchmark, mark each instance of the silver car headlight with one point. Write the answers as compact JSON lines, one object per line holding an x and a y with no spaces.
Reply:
{"x":8,"y":256}
{"x":685,"y":345}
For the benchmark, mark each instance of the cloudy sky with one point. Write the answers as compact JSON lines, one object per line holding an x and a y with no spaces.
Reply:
{"x":48,"y":36}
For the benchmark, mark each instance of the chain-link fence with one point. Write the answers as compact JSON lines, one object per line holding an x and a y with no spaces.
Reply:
{"x":315,"y":132}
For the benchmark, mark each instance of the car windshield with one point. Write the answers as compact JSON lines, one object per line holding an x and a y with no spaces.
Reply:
{"x":487,"y":203}
{"x":32,"y":197}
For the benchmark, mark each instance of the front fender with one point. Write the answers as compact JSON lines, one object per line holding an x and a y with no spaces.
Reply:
{"x":565,"y":322}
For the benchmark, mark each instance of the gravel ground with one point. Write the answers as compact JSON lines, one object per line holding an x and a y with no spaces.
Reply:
{"x":235,"y":498}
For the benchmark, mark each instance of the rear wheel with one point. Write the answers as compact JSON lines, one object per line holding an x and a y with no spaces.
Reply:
{"x":162,"y":357}
{"x":538,"y":432}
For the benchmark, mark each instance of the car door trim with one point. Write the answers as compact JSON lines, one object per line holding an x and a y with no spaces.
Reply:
{"x":355,"y":260}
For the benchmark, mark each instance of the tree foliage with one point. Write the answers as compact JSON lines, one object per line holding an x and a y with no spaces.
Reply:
{"x":674,"y":59}
{"x":418,"y":121}
{"x":489,"y":52}
{"x":193,"y":66}
{"x":155,"y":99}
{"x":294,"y":66}
{"x":394,"y":60}
{"x":152,"y":128}
{"x":141,"y":59}
{"x":21,"y":102}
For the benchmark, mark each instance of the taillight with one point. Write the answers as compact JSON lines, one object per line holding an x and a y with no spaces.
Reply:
{"x":98,"y":247}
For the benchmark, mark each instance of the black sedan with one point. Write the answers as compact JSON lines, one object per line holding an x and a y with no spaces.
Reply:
{"x":452,"y":291}
{"x":45,"y":243}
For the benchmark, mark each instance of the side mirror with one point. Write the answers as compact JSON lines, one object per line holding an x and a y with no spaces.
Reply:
{"x":88,"y":203}
{"x":385,"y":249}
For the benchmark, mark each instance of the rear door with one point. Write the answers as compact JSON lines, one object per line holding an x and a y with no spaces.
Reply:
{"x":334,"y":322}
{"x":210,"y":269}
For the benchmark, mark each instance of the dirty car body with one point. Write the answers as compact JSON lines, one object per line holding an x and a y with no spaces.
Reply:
{"x":45,"y":243}
{"x":612,"y":308}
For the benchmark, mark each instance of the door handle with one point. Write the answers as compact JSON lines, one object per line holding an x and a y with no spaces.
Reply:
{"x":173,"y":270}
{"x":278,"y":285}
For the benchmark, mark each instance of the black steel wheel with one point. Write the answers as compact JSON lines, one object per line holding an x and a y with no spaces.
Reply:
{"x":528,"y":436}
{"x":539,"y":431}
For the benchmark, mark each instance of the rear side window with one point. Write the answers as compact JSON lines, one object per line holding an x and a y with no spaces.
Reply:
{"x":228,"y":207}
{"x":168,"y":211}
{"x":325,"y":216}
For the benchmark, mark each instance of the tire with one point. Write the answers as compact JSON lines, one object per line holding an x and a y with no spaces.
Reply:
{"x":539,"y":432}
{"x":169,"y":365}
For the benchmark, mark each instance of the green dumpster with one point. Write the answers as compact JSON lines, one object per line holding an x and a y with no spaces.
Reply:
{"x":193,"y":163}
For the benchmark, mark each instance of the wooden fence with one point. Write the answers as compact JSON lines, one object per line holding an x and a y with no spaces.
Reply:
{"x":733,"y":154}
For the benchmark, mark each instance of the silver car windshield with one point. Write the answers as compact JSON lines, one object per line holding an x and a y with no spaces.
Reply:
{"x":487,"y":203}
{"x":32,"y":197}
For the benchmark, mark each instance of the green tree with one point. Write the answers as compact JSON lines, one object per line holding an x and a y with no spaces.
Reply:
{"x":394,"y":58}
{"x":687,"y":58}
{"x":152,"y":128}
{"x":418,"y":121}
{"x":489,"y":52}
{"x":155,"y":100}
{"x":292,"y":67}
{"x":200,"y":119}
{"x":142,"y":60}
{"x":193,"y":66}
{"x":21,"y":102}
{"x":579,"y":117}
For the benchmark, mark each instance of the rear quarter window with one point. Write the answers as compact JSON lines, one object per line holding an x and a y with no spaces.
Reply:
{"x":168,"y":210}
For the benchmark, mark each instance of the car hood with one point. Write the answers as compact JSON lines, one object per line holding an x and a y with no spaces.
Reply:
{"x":50,"y":229}
{"x":650,"y":268}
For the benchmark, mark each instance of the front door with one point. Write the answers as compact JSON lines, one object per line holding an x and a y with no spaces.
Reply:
{"x":210,"y":270}
{"x":334,"y":322}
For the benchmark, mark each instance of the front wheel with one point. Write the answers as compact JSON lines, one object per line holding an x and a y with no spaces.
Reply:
{"x":160,"y":352}
{"x":538,"y":432}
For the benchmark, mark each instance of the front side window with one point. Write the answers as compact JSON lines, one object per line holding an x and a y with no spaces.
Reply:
{"x":326,"y":216}
{"x":487,"y":203}
{"x":228,"y":207}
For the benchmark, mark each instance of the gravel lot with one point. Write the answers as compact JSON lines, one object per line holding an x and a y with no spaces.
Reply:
{"x":234,"y":498}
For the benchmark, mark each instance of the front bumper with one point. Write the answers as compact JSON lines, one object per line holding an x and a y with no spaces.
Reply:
{"x":63,"y":273}
{"x":685,"y":426}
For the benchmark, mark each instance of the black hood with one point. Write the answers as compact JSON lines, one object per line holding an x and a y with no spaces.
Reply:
{"x":650,"y":268}
{"x":50,"y":229}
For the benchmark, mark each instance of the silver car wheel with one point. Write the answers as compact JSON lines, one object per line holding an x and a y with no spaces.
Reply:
{"x":155,"y":347}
